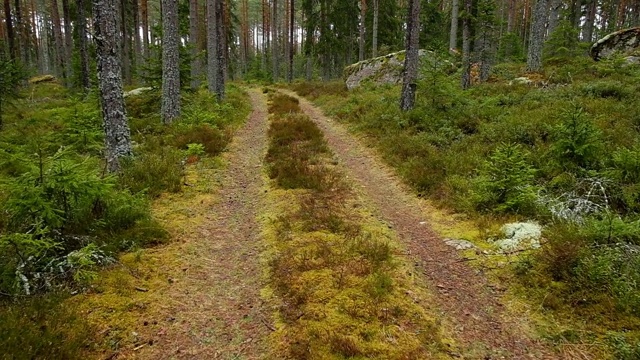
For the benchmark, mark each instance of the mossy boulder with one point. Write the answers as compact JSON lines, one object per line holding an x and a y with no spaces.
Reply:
{"x":387,"y":69}
{"x":623,"y":42}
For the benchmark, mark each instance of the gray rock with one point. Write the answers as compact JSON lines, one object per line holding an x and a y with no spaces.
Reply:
{"x":520,"y":236}
{"x":624,"y":42}
{"x":459,"y":244}
{"x":388,"y":69}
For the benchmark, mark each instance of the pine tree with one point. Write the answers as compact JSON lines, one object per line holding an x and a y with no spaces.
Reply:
{"x":170,"y":62}
{"x":536,"y":37}
{"x":116,"y":128}
{"x":410,"y":76}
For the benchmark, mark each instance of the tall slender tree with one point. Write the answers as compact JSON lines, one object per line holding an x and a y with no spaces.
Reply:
{"x":193,"y":41}
{"x":170,"y":62}
{"x":215,"y":48}
{"x":116,"y":127}
{"x":10,"y":30}
{"x":466,"y":45}
{"x":82,"y":45}
{"x":374,"y":30}
{"x":362,"y":29}
{"x":411,"y":62}
{"x":453,"y":34}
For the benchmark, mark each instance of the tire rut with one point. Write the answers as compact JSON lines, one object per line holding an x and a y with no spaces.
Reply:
{"x":471,"y":310}
{"x":217,"y":311}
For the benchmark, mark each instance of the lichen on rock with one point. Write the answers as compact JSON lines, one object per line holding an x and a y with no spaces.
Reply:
{"x":388,"y":69}
{"x":624,"y":42}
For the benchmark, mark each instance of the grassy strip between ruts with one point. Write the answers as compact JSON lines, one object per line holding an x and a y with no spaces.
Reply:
{"x":342,"y":287}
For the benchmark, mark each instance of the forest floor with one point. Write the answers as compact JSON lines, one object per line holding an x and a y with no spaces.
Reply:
{"x":471,"y":308}
{"x":217,"y":308}
{"x":211,"y":307}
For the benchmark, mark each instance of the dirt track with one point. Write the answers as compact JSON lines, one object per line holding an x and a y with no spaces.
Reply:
{"x":216,"y":310}
{"x":471,"y":310}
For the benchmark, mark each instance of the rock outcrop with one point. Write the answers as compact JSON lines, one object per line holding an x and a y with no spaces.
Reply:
{"x":388,"y":69}
{"x":624,"y":42}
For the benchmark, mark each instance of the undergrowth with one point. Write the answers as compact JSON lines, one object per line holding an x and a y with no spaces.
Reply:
{"x":343,"y":292}
{"x":562,"y":151}
{"x":62,"y":217}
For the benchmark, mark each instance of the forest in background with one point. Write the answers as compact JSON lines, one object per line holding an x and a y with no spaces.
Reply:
{"x":563,"y":150}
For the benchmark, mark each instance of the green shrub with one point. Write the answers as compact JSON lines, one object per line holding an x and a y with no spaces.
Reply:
{"x":577,"y":142}
{"x":505,"y":182}
{"x":213,"y":140}
{"x":43,"y":328}
{"x":606,"y":89}
{"x":153,"y":172}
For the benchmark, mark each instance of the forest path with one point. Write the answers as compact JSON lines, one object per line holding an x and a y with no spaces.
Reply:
{"x":471,"y":310}
{"x":216,"y":310}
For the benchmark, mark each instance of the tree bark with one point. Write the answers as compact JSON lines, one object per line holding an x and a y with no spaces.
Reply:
{"x":554,"y":16}
{"x":466,"y":46}
{"x":215,"y":48}
{"x":362,"y":29}
{"x":170,"y":62}
{"x":411,"y":61}
{"x":144,"y":14}
{"x":274,"y":41}
{"x":587,"y":29}
{"x":68,"y":37}
{"x":453,"y":34}
{"x":116,"y":128}
{"x":193,"y":41}
{"x":10,"y":30}
{"x":291,"y":39}
{"x":536,"y":36}
{"x":57,"y":38}
{"x":374,"y":35}
{"x":82,"y":46}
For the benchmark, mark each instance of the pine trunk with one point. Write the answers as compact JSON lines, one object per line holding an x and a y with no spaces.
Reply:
{"x":82,"y":46}
{"x":587,"y":30}
{"x":274,"y":41}
{"x":291,"y":39}
{"x":453,"y":34}
{"x":170,"y":62}
{"x":144,"y":14}
{"x":554,"y":16}
{"x":536,"y":36}
{"x":193,"y":41}
{"x":215,"y":48}
{"x":466,"y":46}
{"x":374,"y":35}
{"x":57,"y":39}
{"x":362,"y":29}
{"x":68,"y":37}
{"x":117,"y":135}
{"x":411,"y":62}
{"x":10,"y":30}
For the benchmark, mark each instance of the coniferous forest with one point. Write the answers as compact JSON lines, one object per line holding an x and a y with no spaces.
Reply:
{"x":320,"y":179}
